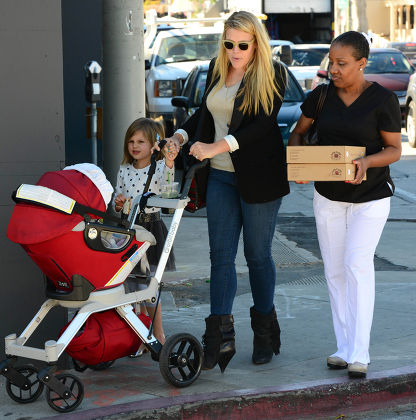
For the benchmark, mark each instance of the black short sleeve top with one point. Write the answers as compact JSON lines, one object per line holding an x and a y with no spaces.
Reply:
{"x":358,"y":124}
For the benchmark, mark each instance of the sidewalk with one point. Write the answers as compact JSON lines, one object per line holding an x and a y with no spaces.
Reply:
{"x":297,"y":383}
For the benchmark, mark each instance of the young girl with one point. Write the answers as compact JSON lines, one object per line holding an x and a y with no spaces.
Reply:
{"x":138,"y":143}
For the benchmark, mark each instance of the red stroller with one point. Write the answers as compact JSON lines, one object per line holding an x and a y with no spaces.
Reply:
{"x":61,"y":224}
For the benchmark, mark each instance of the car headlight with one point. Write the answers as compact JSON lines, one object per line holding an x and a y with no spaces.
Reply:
{"x":165,"y":88}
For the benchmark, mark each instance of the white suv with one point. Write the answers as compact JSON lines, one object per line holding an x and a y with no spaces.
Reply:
{"x":174,"y":54}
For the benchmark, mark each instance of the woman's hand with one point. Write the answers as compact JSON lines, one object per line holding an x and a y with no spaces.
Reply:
{"x":362,"y":166}
{"x":119,"y":202}
{"x":203,"y":151}
{"x":170,"y":151}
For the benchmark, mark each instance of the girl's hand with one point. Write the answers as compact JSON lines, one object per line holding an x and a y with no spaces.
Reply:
{"x":119,"y":202}
{"x":203,"y":151}
{"x":362,"y":166}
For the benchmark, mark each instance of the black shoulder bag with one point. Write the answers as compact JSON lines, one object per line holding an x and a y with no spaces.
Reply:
{"x":311,"y":137}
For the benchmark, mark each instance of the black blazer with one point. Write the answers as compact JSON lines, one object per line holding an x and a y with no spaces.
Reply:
{"x":260,"y":161}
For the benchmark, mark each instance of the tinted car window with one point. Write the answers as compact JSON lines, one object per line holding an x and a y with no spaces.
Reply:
{"x":200,"y":88}
{"x":388,"y":62}
{"x":293,"y":92}
{"x":189,"y":82}
{"x":307,"y":57}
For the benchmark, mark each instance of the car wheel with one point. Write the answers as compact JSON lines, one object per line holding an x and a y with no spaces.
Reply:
{"x":411,"y":124}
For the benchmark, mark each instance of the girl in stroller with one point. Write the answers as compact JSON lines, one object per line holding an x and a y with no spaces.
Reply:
{"x":139,"y":140}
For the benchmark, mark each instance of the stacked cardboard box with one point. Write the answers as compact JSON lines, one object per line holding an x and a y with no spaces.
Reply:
{"x":322,"y":163}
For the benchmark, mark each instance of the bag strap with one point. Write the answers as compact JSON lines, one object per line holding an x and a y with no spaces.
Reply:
{"x":321,"y":100}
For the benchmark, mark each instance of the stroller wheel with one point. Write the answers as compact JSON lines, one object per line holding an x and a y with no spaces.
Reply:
{"x":180,"y":360}
{"x":30,"y":391}
{"x":74,"y":399}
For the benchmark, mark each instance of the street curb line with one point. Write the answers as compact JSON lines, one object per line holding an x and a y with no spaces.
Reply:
{"x":379,"y":390}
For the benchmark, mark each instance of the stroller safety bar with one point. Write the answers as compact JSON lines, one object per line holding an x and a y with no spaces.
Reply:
{"x":46,"y":197}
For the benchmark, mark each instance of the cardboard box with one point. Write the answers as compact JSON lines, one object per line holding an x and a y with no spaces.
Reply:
{"x":321,"y":171}
{"x":323,"y":154}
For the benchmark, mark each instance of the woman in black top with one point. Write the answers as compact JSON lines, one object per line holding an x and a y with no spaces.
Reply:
{"x":236,"y":129}
{"x":351,"y":215}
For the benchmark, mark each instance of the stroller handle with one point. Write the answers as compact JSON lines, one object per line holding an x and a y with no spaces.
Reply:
{"x":152,"y":168}
{"x":190,"y":175}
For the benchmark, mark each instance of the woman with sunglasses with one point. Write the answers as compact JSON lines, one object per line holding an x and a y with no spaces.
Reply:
{"x":236,"y":129}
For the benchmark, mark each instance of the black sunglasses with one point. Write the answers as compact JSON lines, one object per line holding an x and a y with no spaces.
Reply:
{"x":243,"y":46}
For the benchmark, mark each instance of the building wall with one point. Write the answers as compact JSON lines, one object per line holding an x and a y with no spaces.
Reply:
{"x":32,"y":142}
{"x":378,"y":16}
{"x":81,"y":39}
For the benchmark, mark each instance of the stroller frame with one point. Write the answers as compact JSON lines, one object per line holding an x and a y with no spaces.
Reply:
{"x":180,"y":358}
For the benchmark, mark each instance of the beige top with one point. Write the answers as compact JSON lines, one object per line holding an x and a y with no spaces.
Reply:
{"x":220,"y":104}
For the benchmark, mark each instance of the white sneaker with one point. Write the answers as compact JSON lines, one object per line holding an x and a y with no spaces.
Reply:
{"x":357,"y":370}
{"x":335,"y":362}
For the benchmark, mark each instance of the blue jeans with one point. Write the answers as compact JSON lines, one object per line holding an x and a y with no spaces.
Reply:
{"x":227,"y":214}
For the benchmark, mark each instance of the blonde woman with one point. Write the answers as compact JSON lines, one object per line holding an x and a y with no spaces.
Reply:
{"x":236,"y":129}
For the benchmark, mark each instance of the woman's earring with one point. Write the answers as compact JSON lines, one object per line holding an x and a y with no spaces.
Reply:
{"x":361,"y":69}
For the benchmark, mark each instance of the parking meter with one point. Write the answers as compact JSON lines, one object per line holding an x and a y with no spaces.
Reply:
{"x":92,"y":81}
{"x":93,"y":95}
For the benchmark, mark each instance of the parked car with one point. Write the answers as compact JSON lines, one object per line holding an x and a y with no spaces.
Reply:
{"x":407,"y":48}
{"x":175,"y":52}
{"x":306,"y":59}
{"x":387,"y":66}
{"x":411,"y":111}
{"x":193,"y":90}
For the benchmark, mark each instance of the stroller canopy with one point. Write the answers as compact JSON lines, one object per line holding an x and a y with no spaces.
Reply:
{"x":84,"y":183}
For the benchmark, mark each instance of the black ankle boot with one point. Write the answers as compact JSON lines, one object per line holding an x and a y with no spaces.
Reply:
{"x":218,"y":341}
{"x":266,"y":336}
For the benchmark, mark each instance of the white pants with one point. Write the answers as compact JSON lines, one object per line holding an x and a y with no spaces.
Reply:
{"x":348,"y":234}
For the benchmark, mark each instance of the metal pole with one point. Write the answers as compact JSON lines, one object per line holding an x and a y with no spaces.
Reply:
{"x":94,"y":133}
{"x":123,"y":77}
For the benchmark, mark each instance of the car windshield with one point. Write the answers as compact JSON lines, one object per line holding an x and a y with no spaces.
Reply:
{"x":293,"y":92}
{"x":307,"y":57}
{"x":187,"y":48}
{"x":387,"y":62}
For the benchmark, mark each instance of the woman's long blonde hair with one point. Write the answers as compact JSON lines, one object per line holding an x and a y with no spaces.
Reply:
{"x":259,"y":78}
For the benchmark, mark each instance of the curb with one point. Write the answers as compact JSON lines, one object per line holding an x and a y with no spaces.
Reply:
{"x":379,"y":390}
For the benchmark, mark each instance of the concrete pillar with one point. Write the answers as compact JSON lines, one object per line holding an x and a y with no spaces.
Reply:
{"x":123,"y":77}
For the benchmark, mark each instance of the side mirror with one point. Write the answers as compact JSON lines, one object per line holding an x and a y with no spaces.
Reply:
{"x":323,"y":74}
{"x":180,"y":101}
{"x":284,"y":52}
{"x":147,"y":64}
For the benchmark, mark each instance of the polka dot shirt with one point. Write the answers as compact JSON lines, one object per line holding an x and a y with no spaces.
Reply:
{"x":131,"y":181}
